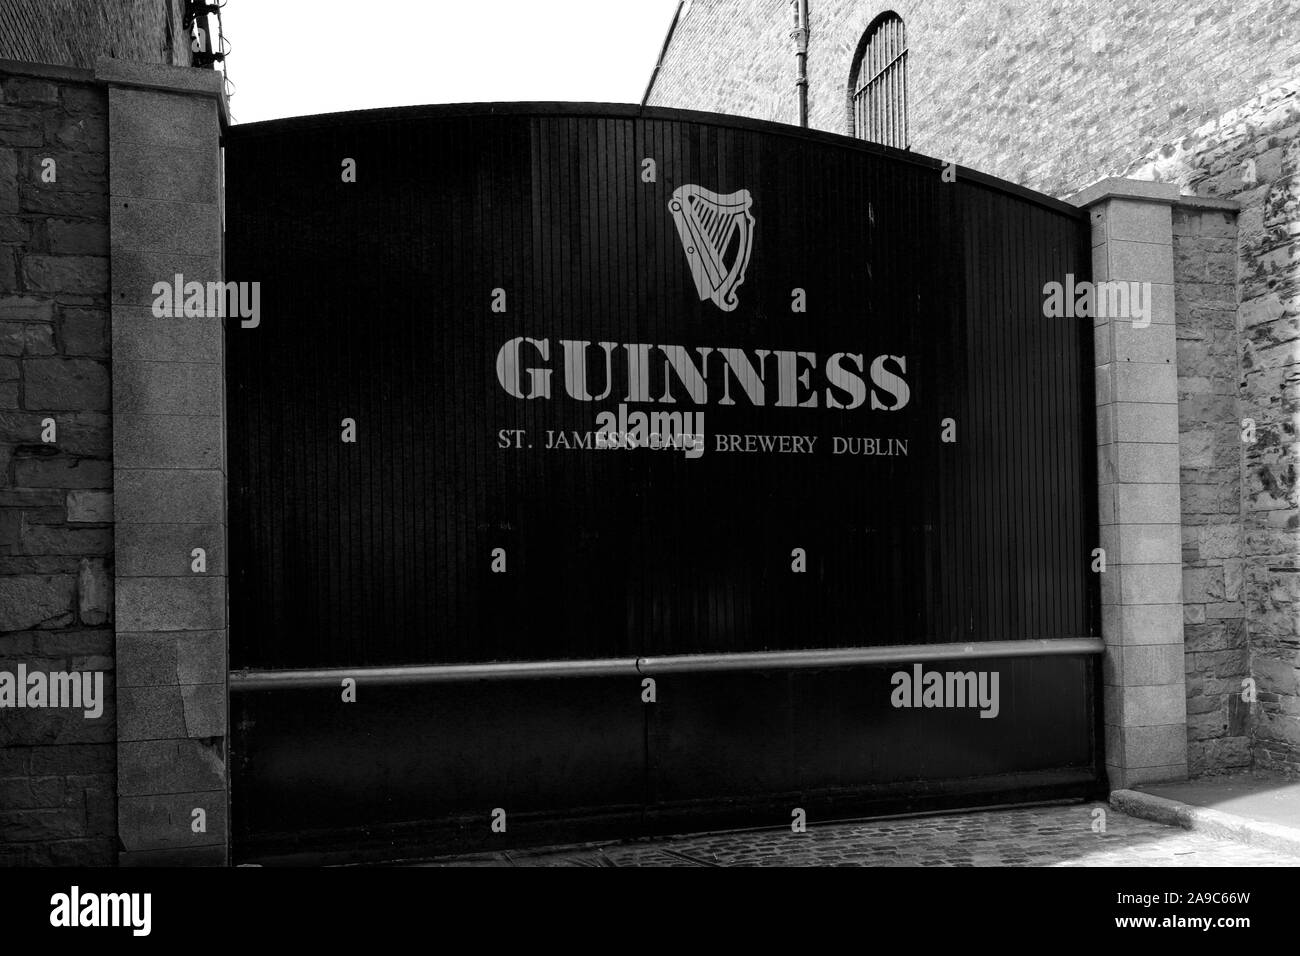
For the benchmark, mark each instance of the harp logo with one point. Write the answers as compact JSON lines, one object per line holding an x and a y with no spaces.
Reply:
{"x":717,"y":233}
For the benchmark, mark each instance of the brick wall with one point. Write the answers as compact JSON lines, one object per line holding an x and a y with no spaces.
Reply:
{"x":1252,"y":155}
{"x":57,"y":767}
{"x":1053,"y":96}
{"x":77,"y":32}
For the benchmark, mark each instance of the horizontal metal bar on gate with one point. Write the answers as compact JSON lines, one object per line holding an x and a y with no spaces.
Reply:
{"x":673,"y":664}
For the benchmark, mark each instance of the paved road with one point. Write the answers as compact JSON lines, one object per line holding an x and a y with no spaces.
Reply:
{"x":1041,"y":836}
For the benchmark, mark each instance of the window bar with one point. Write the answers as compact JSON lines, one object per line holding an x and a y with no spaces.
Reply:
{"x":870,"y":88}
{"x":889,"y":83}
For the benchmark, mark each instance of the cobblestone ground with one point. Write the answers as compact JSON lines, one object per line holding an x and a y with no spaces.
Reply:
{"x":1039,"y":836}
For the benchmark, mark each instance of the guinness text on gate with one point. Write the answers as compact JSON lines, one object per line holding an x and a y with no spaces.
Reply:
{"x":645,"y":373}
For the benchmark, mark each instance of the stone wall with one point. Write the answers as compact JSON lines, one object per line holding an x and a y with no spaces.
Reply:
{"x":77,"y":32}
{"x":1250,"y":155}
{"x":1216,"y":659}
{"x":1050,"y":95}
{"x":57,"y":767}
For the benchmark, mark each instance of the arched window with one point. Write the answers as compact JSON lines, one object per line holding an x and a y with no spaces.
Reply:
{"x":878,"y":83}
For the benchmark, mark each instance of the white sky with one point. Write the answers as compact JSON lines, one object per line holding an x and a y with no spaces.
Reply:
{"x":292,"y":59}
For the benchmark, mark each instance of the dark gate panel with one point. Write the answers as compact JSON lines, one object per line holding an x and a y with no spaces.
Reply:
{"x":377,"y":306}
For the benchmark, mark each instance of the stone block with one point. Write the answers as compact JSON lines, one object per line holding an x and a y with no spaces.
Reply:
{"x":176,"y":175}
{"x":139,"y":336}
{"x":1150,"y":706}
{"x":88,"y":434}
{"x":1145,"y":463}
{"x":30,"y":91}
{"x":26,"y":338}
{"x":1206,"y":637}
{"x":50,"y":726}
{"x":1218,"y":541}
{"x":1202,"y":584}
{"x":1146,"y":383}
{"x":94,"y":592}
{"x":36,"y":601}
{"x":150,"y":713}
{"x":84,"y":332}
{"x":61,"y":471}
{"x":73,"y":758}
{"x":1144,"y":665}
{"x":75,"y":643}
{"x":151,"y":225}
{"x":77,"y":238}
{"x":1151,"y":584}
{"x":187,"y":657}
{"x":1226,"y":610}
{"x":1154,"y":344}
{"x":84,"y":275}
{"x":1138,"y":221}
{"x":205,"y":709}
{"x":167,"y":441}
{"x":1149,"y":544}
{"x":1218,"y":755}
{"x":1155,"y":746}
{"x":171,"y":604}
{"x":55,"y":200}
{"x":85,"y":132}
{"x":150,"y":496}
{"x":65,"y":384}
{"x":90,"y":99}
{"x":42,"y":826}
{"x":166,"y":550}
{"x":1140,"y":262}
{"x":135,"y":273}
{"x":168,"y":821}
{"x":26,"y":308}
{"x":161,"y":121}
{"x":169,"y":766}
{"x":167,"y":388}
{"x":44,"y":539}
{"x":90,"y":507}
{"x":1145,"y":423}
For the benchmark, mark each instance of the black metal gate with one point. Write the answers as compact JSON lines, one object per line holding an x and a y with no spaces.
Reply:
{"x":896,"y":478}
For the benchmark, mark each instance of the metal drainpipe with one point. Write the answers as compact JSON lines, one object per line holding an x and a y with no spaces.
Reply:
{"x":800,"y":36}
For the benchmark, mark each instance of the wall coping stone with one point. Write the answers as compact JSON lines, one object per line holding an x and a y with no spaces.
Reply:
{"x":46,"y":71}
{"x":156,"y":76}
{"x":1207,"y":202}
{"x":196,"y":81}
{"x":1116,"y":187}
